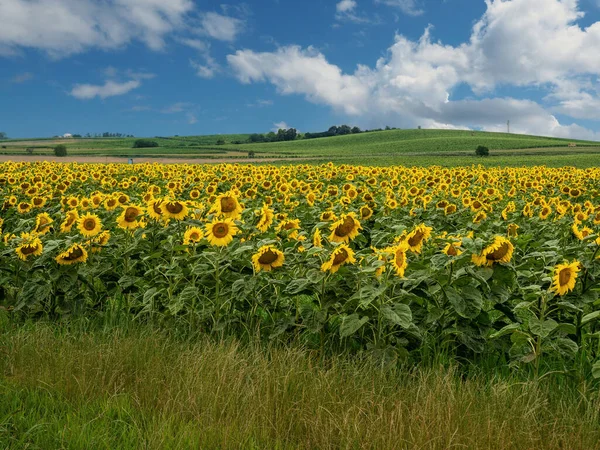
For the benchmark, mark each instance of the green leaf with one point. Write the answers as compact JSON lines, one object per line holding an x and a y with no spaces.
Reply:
{"x":508,"y":329}
{"x":298,"y":285}
{"x":590,"y":317}
{"x":566,"y":347}
{"x":468,"y":303}
{"x":596,"y":370}
{"x":367,"y":294}
{"x":351,"y":324}
{"x":399,"y":314}
{"x":542,"y":329}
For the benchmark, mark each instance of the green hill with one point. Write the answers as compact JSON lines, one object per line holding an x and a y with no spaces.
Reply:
{"x":381,"y":147}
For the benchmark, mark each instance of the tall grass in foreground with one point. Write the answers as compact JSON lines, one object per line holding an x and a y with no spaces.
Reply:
{"x":136,"y":387}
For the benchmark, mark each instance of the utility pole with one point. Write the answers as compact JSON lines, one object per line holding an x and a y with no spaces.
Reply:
{"x":508,"y":126}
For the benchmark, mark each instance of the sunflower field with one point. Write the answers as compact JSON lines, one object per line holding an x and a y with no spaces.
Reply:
{"x":404,"y":262}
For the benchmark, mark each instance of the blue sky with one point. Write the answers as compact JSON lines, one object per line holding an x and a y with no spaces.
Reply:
{"x":155,"y":67}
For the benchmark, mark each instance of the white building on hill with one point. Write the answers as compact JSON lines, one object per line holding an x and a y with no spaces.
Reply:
{"x":67,"y":135}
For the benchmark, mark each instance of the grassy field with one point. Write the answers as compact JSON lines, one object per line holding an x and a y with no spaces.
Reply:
{"x":408,"y":147}
{"x":84,"y":386}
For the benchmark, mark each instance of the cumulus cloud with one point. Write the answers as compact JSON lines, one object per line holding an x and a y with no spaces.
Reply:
{"x":345,"y":6}
{"x":220,"y":27}
{"x":108,"y":89}
{"x":525,"y":43}
{"x":280,"y":126}
{"x":64,"y":27}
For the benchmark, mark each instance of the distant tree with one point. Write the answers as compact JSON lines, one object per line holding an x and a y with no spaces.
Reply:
{"x":355,"y":130}
{"x":77,"y":136}
{"x":290,"y":134}
{"x":144,"y":143}
{"x":29,"y":150}
{"x":251,"y":154}
{"x":332,"y":131}
{"x":3,"y":135}
{"x":387,"y":128}
{"x":220,"y":142}
{"x":253,"y":138}
{"x":482,"y":151}
{"x":270,"y":137}
{"x":60,"y":150}
{"x":344,"y":129}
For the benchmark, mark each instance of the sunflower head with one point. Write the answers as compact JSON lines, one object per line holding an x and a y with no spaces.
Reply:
{"x":192,"y":235}
{"x":89,"y":225}
{"x":417,"y":237}
{"x":345,"y":229}
{"x":31,"y":245}
{"x":267,"y":258}
{"x":131,"y":217}
{"x":220,"y":232}
{"x":71,"y":219}
{"x":565,"y":277}
{"x":42,"y":223}
{"x":74,"y":254}
{"x":341,"y":255}
{"x":499,"y":251}
{"x":174,"y":209}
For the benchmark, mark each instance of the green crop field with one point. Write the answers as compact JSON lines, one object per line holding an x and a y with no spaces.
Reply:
{"x":397,"y":147}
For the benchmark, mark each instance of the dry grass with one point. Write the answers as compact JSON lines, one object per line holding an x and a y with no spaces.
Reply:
{"x":142,"y":389}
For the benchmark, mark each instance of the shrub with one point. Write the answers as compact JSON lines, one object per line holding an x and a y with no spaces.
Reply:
{"x":482,"y":151}
{"x":144,"y":143}
{"x":251,"y":154}
{"x":60,"y":150}
{"x":220,"y":142}
{"x":29,"y":150}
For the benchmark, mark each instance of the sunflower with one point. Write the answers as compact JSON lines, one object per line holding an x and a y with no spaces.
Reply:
{"x":154,"y":209}
{"x":130,"y":218}
{"x":220,"y":232}
{"x":100,"y":241}
{"x":42,"y":224}
{"x":89,"y":225}
{"x":581,"y":234}
{"x":452,"y":249}
{"x":417,"y":237}
{"x":291,"y":226}
{"x":366,"y":212}
{"x":512,"y":229}
{"x":31,"y":245}
{"x":341,"y":255}
{"x":70,"y":220}
{"x":479,"y":217}
{"x":565,"y":276}
{"x":345,"y":229}
{"x":111,"y":203}
{"x":266,"y":218}
{"x":174,"y":209}
{"x":399,"y":260}
{"x":267,"y":258}
{"x":24,"y":207}
{"x":450,"y":209}
{"x":228,"y":205}
{"x":328,"y":216}
{"x":500,"y":251}
{"x":192,"y":235}
{"x":74,"y":254}
{"x":317,"y":241}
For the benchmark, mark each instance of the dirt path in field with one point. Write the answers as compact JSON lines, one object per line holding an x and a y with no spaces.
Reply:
{"x":162,"y":160}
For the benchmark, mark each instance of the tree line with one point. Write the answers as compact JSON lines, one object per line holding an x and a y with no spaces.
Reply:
{"x":291,"y":134}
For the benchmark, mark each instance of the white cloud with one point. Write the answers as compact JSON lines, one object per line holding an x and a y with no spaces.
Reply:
{"x":280,"y":126}
{"x":345,"y":6}
{"x":64,"y":27}
{"x":176,"y":108}
{"x":523,"y":43}
{"x":409,"y":7}
{"x":108,"y":89}
{"x":220,"y":27}
{"x":191,"y":118}
{"x":293,"y":70}
{"x":21,"y":78}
